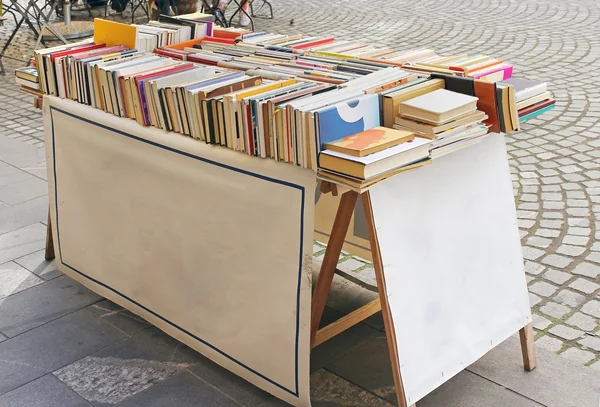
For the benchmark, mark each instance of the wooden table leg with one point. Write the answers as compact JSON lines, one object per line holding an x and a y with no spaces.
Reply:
{"x":330,"y":260}
{"x":528,"y":347}
{"x":390,"y":333}
{"x":49,"y":242}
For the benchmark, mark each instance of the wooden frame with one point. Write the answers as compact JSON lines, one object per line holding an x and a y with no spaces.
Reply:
{"x":325,"y":279}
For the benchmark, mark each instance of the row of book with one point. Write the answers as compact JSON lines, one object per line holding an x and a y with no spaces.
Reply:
{"x":288,"y":98}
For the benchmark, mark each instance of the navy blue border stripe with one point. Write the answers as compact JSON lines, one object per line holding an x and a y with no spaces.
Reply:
{"x":174,"y":150}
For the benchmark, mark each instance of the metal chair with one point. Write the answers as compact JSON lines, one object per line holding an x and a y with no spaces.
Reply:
{"x":264,"y":3}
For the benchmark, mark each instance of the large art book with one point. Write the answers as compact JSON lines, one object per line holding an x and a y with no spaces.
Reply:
{"x":346,"y":118}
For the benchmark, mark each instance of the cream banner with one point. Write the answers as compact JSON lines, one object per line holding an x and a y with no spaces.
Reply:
{"x":212,"y":246}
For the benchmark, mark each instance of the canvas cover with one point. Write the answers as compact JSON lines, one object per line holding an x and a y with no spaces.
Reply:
{"x":210,"y":245}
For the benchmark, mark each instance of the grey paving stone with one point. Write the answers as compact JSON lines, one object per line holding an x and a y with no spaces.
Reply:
{"x":238,"y":389}
{"x":542,"y":288}
{"x":111,"y":380}
{"x":341,"y":344}
{"x":530,"y":253}
{"x":459,"y":391}
{"x":154,"y":345}
{"x":118,"y":317}
{"x":367,"y":366}
{"x":534,"y":268}
{"x":182,"y":390}
{"x":569,"y":297}
{"x":10,"y":174}
{"x":576,"y":240}
{"x":583,"y":285}
{"x":47,"y":391}
{"x":350,"y":265}
{"x":48,"y":347}
{"x":19,"y":154}
{"x":539,"y":322}
{"x":31,"y":308}
{"x":592,"y":342}
{"x":592,"y":308}
{"x":540,"y":242}
{"x":554,"y":384}
{"x":586,"y":269}
{"x":14,"y":278}
{"x":595,"y":257}
{"x":570,"y":250}
{"x":557,"y":277}
{"x":21,"y":242}
{"x":565,"y":332}
{"x":534,"y":299}
{"x":578,"y":356}
{"x":582,"y":321}
{"x":557,"y":261}
{"x":23,"y":214}
{"x":22,"y":191}
{"x":37,"y":264}
{"x":554,"y":310}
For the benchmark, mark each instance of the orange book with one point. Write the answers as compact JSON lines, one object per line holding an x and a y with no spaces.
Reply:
{"x":486,"y":92}
{"x":370,"y":141}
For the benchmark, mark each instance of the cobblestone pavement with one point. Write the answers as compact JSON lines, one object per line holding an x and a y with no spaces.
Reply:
{"x":555,"y":160}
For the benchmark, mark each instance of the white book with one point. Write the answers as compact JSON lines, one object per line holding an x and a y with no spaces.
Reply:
{"x":438,"y":107}
{"x":382,"y":161}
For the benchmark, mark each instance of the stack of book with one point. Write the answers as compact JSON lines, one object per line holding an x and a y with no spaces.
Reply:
{"x":532,"y":97}
{"x":449,"y":118}
{"x":27,"y":77}
{"x":364,"y":158}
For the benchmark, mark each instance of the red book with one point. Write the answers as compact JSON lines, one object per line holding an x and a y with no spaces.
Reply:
{"x":75,"y":50}
{"x":315,"y":43}
{"x":97,"y":52}
{"x":200,"y":60}
{"x":175,"y":54}
{"x":218,"y":40}
{"x":536,"y":107}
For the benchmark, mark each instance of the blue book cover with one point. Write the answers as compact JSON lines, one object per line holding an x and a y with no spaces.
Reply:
{"x":347,"y":118}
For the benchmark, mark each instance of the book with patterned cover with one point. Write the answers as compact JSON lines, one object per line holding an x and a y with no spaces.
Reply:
{"x":370,"y":141}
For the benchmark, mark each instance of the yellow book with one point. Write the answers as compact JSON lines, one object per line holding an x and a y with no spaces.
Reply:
{"x":264,"y":88}
{"x":334,"y":55}
{"x":113,"y":33}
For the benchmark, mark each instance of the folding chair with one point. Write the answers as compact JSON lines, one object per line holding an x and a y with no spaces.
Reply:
{"x":264,"y":3}
{"x":30,"y":13}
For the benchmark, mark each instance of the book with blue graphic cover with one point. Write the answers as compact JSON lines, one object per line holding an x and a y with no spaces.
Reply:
{"x":346,"y":118}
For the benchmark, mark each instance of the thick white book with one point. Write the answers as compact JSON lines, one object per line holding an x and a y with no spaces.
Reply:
{"x":438,"y":107}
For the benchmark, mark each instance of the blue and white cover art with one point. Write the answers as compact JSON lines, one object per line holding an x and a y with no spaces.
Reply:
{"x":346,"y":118}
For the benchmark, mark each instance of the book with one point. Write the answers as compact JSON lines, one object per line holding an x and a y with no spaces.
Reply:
{"x":28,"y":73}
{"x":377,"y":163}
{"x":391,"y":99}
{"x":535,"y":107}
{"x":28,"y":84}
{"x":431,"y":131}
{"x":536,"y":113}
{"x":347,"y":118}
{"x":438,"y":107}
{"x":369,"y":141}
{"x":533,"y":100}
{"x":526,"y":88}
{"x":114,"y":33}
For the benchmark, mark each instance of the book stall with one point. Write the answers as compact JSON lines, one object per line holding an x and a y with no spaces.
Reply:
{"x":191,"y":166}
